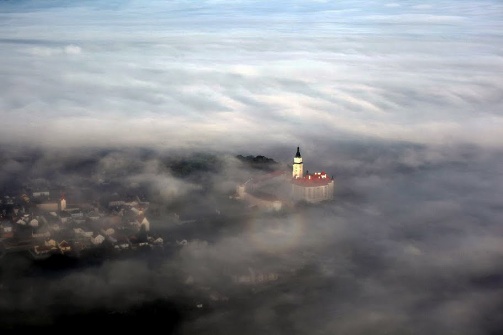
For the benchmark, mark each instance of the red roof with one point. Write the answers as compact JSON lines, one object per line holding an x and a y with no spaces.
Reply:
{"x":315,"y":179}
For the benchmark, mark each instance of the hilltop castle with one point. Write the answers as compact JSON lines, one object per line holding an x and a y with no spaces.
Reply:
{"x":274,"y":190}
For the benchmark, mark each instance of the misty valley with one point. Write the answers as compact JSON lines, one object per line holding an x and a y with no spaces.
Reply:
{"x":251,"y":167}
{"x":205,"y":242}
{"x":65,"y":214}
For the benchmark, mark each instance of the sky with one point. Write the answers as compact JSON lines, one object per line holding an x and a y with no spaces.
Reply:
{"x":400,"y":101}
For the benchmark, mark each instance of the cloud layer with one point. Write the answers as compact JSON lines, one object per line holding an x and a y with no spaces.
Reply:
{"x":412,"y":243}
{"x":181,"y":75}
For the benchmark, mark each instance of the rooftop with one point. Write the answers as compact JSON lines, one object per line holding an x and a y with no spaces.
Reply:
{"x":315,"y":179}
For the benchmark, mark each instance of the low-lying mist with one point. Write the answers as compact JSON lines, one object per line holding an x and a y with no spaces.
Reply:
{"x":411,"y":244}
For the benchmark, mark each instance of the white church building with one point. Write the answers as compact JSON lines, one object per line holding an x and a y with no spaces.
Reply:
{"x":313,"y":188}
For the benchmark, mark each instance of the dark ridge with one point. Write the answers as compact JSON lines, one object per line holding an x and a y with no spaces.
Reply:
{"x":259,"y":162}
{"x":195,"y":165}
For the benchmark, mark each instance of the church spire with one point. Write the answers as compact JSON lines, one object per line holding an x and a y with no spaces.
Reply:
{"x":297,"y":170}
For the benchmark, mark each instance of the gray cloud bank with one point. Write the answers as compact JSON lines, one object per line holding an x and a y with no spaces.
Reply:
{"x":411,"y":244}
{"x":183,"y":75}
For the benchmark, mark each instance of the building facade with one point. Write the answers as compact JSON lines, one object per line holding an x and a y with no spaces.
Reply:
{"x":312,"y":188}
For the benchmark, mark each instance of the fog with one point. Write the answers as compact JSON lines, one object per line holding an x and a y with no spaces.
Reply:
{"x":411,"y":243}
{"x":399,"y":102}
{"x":182,"y":75}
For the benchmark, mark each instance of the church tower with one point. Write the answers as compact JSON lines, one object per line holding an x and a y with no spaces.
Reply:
{"x":298,"y":167}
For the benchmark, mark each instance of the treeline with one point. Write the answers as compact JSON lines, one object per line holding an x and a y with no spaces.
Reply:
{"x":194,"y":165}
{"x":259,"y":162}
